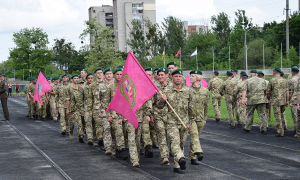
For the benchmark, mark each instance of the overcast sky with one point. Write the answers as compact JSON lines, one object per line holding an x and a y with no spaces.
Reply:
{"x":65,"y":18}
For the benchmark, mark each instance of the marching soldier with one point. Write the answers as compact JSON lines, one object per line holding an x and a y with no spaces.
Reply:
{"x":261,"y":75}
{"x":214,"y":86}
{"x":53,"y":94}
{"x":61,"y":104}
{"x":171,"y":67}
{"x":242,"y":107}
{"x":293,"y":66}
{"x":35,"y":107}
{"x":227,"y":89}
{"x":236,"y":77}
{"x":279,"y":94}
{"x":292,"y":84}
{"x":26,"y":91}
{"x":3,"y":96}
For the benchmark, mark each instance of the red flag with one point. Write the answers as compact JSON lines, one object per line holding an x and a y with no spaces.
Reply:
{"x":134,"y":89}
{"x":42,"y":86}
{"x":204,"y":83}
{"x":178,"y":53}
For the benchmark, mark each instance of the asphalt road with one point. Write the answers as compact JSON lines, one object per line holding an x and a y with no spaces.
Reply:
{"x":36,"y":150}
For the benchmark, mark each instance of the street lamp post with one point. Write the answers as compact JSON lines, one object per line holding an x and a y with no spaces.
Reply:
{"x":246,"y":48}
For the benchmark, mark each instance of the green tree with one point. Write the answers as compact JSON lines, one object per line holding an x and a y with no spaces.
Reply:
{"x":31,"y":51}
{"x":101,"y":50}
{"x":293,"y":55}
{"x":221,"y":27}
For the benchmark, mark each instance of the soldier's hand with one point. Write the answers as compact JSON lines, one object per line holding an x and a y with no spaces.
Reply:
{"x":120,"y":121}
{"x":33,"y":102}
{"x":204,"y":123}
{"x":148,"y":119}
{"x":82,"y":112}
{"x":100,"y":115}
{"x":291,"y":105}
{"x":190,"y":127}
{"x":110,"y":119}
{"x":91,"y":114}
{"x":28,"y":99}
{"x":298,"y":106}
{"x":68,"y":112}
{"x":73,"y":115}
{"x":152,"y":120}
{"x":163,"y":98}
{"x":57,"y":106}
{"x":287,"y":104}
{"x":244,"y":102}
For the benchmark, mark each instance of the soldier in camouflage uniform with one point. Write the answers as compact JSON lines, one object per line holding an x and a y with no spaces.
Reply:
{"x":61,"y":104}
{"x":227,"y":89}
{"x":279,"y":94}
{"x":255,"y":89}
{"x":35,"y":107}
{"x":75,"y":108}
{"x":26,"y":91}
{"x":114,"y":117}
{"x":171,"y":67}
{"x":293,"y":66}
{"x":261,"y":75}
{"x":236,"y":78}
{"x":297,"y":135}
{"x":43,"y":110}
{"x":84,"y":96}
{"x":199,"y":102}
{"x":292,"y":84}
{"x":214,"y":86}
{"x":160,"y":116}
{"x":238,"y":90}
{"x":179,"y":97}
{"x":53,"y":98}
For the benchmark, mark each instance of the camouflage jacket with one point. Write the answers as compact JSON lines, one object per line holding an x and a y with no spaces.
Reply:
{"x":109,"y":95}
{"x":227,"y":89}
{"x":255,"y":88}
{"x":180,"y":101}
{"x":239,"y":90}
{"x":54,"y":89}
{"x":144,"y":110}
{"x":61,"y":95}
{"x":214,"y":86}
{"x":236,"y":78}
{"x":31,"y":89}
{"x":290,"y":76}
{"x":84,"y":94}
{"x":199,"y":102}
{"x":26,"y":90}
{"x":277,"y":89}
{"x":75,"y":101}
{"x":292,"y":84}
{"x":160,"y":114}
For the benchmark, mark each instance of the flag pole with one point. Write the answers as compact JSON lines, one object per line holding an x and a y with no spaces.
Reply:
{"x":196,"y":57}
{"x":180,"y":57}
{"x":213,"y":59}
{"x":164,"y":56}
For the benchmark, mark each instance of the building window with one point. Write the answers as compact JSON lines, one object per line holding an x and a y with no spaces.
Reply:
{"x":109,"y":20}
{"x":140,"y":5}
{"x":134,"y":11}
{"x":140,"y":11}
{"x":94,"y":11}
{"x":134,"y":5}
{"x":137,"y":17}
{"x":109,"y":14}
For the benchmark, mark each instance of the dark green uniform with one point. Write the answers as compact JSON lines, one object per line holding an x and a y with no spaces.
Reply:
{"x":3,"y":97}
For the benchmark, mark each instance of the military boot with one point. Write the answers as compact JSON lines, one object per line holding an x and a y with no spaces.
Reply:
{"x":148,"y":151}
{"x":199,"y":156}
{"x":182,"y":163}
{"x":178,"y":170}
{"x":90,"y":142}
{"x":124,"y":154}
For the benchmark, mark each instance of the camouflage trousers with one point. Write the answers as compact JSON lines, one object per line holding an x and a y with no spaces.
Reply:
{"x":216,"y":104}
{"x":298,"y":123}
{"x":146,"y":137}
{"x":48,"y":109}
{"x":261,"y":111}
{"x":117,"y":129}
{"x":29,"y":108}
{"x":98,"y":127}
{"x":53,"y":108}
{"x":268,"y":107}
{"x":88,"y":125}
{"x":280,"y":119}
{"x":243,"y":112}
{"x":76,"y":118}
{"x":43,"y":110}
{"x":153,"y":133}
{"x":229,"y":106}
{"x":195,"y":133}
{"x":236,"y":109}
{"x":161,"y":131}
{"x":109,"y":138}
{"x":294,"y":115}
{"x":177,"y":134}
{"x":134,"y":140}
{"x":64,"y":124}
{"x":35,"y":108}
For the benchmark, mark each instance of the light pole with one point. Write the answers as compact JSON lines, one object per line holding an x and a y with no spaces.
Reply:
{"x":246,"y":49}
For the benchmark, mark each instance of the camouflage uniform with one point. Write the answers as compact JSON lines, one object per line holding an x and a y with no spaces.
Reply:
{"x":68,"y":93}
{"x":26,"y":91}
{"x":298,"y":111}
{"x":256,"y":88}
{"x":199,"y":102}
{"x":117,"y":129}
{"x":53,"y":101}
{"x":268,"y":104}
{"x":214,"y":86}
{"x":61,"y":100}
{"x":292,"y":84}
{"x":43,"y":110}
{"x":87,"y":103}
{"x":277,"y":88}
{"x":242,"y":107}
{"x":236,"y":104}
{"x":75,"y":109}
{"x":227,"y":88}
{"x":35,"y":107}
{"x":177,"y":133}
{"x":160,"y":116}
{"x":141,"y":114}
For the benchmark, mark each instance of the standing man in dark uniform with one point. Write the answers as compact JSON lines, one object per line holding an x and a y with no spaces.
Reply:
{"x":3,"y":96}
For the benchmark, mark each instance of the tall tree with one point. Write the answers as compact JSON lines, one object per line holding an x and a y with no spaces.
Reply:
{"x":221,"y":26}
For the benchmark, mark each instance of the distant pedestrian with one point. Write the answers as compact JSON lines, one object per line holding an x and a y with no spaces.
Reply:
{"x":3,"y":96}
{"x":9,"y":89}
{"x":17,"y":87}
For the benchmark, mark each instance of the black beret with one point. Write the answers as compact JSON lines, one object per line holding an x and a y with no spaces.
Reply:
{"x":196,"y":72}
{"x":161,"y":69}
{"x":97,"y":69}
{"x":106,"y":70}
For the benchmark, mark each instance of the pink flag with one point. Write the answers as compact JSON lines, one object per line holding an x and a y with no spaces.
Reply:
{"x":178,"y":53}
{"x":204,"y":83}
{"x":42,"y":86}
{"x":134,"y":89}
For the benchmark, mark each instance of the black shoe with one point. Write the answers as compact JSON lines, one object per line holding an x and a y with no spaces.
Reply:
{"x":217,"y":120}
{"x":142,"y":152}
{"x":100,"y":142}
{"x":263,"y":132}
{"x":278,"y":135}
{"x":246,"y":130}
{"x":155,"y":146}
{"x":199,"y":156}
{"x":182,"y":163}
{"x":148,"y":152}
{"x":232,"y":127}
{"x":195,"y":162}
{"x":43,"y":119}
{"x":90,"y":142}
{"x":63,"y":133}
{"x":178,"y":170}
{"x":38,"y":117}
{"x":124,"y":154}
{"x":80,"y":139}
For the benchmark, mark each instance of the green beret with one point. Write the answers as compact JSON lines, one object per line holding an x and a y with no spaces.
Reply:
{"x":244,"y":75}
{"x":253,"y":71}
{"x":278,"y":70}
{"x":89,"y":74}
{"x":121,"y":66}
{"x":84,"y":70}
{"x":176,"y":71}
{"x":196,"y":72}
{"x":33,"y":78}
{"x":216,"y":72}
{"x":30,"y":79}
{"x":47,"y":78}
{"x":148,"y":69}
{"x":294,"y":65}
{"x":118,"y":69}
{"x":156,"y":68}
{"x":171,"y":63}
{"x":234,"y":70}
{"x":296,"y":70}
{"x":80,"y":81}
{"x":55,"y":78}
{"x":97,"y":69}
{"x":282,"y":74}
{"x":74,"y":75}
{"x":65,"y":75}
{"x":161,"y":69}
{"x":106,"y":70}
{"x":260,"y":72}
{"x":60,"y":79}
{"x":229,"y":73}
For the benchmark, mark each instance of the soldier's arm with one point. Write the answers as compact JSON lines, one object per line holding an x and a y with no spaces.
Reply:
{"x":291,"y":89}
{"x":209,"y":85}
{"x":206,"y":107}
{"x":80,"y":100}
{"x":287,"y":95}
{"x":90,"y":100}
{"x":222,"y":89}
